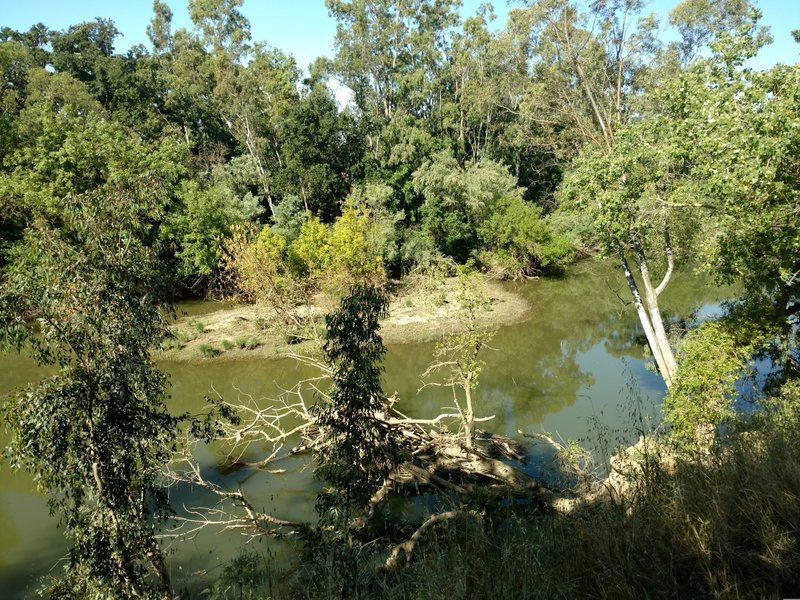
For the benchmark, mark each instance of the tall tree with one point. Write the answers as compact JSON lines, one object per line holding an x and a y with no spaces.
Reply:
{"x":391,"y":54}
{"x":83,"y":292}
{"x":698,"y":153}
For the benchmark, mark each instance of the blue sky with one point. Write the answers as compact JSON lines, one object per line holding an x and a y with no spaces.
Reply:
{"x":303,"y":27}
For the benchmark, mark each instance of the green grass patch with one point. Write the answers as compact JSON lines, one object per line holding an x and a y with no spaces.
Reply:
{"x":208,"y":351}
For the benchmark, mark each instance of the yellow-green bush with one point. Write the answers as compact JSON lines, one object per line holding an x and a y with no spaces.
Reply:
{"x":353,"y":245}
{"x":308,"y":255}
{"x":258,"y":268}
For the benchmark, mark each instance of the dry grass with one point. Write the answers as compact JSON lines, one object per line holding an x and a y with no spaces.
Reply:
{"x":726,"y":526}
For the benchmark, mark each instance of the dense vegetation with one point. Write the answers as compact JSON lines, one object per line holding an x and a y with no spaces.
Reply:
{"x":209,"y":163}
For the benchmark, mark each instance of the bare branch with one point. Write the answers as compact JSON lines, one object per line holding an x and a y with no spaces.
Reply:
{"x":408,"y":546}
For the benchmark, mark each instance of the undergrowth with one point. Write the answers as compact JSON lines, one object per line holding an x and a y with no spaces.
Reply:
{"x":723,"y":526}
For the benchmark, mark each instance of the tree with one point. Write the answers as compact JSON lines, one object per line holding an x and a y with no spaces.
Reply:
{"x":457,"y":355}
{"x":697,"y":158}
{"x":84,"y":293}
{"x":391,"y":54}
{"x":197,"y":225}
{"x":321,"y":148}
{"x":86,"y":51}
{"x":360,"y":453}
{"x":361,"y":448}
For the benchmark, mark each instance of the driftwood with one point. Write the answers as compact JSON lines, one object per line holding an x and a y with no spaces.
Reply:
{"x":436,"y":460}
{"x":438,"y":457}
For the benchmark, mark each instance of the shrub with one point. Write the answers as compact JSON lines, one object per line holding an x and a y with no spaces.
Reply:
{"x":208,"y":351}
{"x":519,"y":240}
{"x":702,"y":394}
{"x":308,"y":254}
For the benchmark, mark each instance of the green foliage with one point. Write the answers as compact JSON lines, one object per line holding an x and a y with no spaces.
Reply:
{"x":257,"y":269}
{"x":243,"y":578}
{"x":703,"y":392}
{"x":289,"y":217}
{"x":521,"y":241}
{"x":307,"y":254}
{"x":198,"y":224}
{"x":457,"y":200}
{"x":360,"y":451}
{"x":208,"y":350}
{"x":481,"y":207}
{"x":251,"y":343}
{"x":247,"y":343}
{"x":722,"y":526}
{"x":83,"y":293}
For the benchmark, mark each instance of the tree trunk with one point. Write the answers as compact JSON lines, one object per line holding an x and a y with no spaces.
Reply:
{"x":657,"y":341}
{"x":651,"y":298}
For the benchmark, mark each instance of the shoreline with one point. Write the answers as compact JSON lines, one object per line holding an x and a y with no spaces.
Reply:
{"x":418,"y":313}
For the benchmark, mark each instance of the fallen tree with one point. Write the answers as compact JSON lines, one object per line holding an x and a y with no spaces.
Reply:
{"x":366,"y":448}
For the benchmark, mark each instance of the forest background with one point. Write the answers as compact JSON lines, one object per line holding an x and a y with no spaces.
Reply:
{"x":209,"y":162}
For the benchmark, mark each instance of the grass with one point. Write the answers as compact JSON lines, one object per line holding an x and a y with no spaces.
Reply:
{"x":208,"y":351}
{"x":726,"y":525}
{"x":247,"y":343}
{"x":228,"y":345}
{"x":178,"y":339}
{"x":198,"y":326}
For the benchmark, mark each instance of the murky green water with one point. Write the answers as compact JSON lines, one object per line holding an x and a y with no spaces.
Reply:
{"x":574,"y":368}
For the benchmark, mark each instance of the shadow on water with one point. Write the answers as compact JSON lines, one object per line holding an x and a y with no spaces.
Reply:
{"x":566,"y":370}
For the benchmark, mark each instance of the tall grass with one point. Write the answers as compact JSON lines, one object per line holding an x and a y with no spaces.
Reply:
{"x":726,"y":525}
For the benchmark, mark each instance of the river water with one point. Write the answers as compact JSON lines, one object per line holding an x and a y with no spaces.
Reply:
{"x":575,"y":367}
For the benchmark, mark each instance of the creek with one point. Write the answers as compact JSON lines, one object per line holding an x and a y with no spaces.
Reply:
{"x":574,"y":367}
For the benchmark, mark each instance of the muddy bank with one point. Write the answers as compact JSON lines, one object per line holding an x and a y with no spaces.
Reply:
{"x":417,"y":313}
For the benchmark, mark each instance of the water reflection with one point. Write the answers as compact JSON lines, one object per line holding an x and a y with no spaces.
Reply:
{"x":571,"y":363}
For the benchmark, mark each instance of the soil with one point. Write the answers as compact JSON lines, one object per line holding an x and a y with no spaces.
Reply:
{"x":418,"y":312}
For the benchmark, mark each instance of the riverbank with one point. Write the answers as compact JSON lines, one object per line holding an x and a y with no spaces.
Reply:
{"x":418,"y":312}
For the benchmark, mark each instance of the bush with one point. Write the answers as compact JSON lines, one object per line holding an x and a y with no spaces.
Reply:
{"x":702,"y":395}
{"x":308,"y":254}
{"x":519,"y":240}
{"x":208,"y":351}
{"x":256,"y":269}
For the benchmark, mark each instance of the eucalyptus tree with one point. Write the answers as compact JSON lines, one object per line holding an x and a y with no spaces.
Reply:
{"x":322,"y":151}
{"x":391,"y":53}
{"x":83,"y":294}
{"x":715,"y":161}
{"x":487,"y":78}
{"x":254,"y":86}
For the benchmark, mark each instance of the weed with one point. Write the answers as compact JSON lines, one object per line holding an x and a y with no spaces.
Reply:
{"x":208,"y":351}
{"x":197,"y":326}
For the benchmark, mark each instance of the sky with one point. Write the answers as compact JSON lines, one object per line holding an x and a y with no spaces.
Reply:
{"x":304,"y":29}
